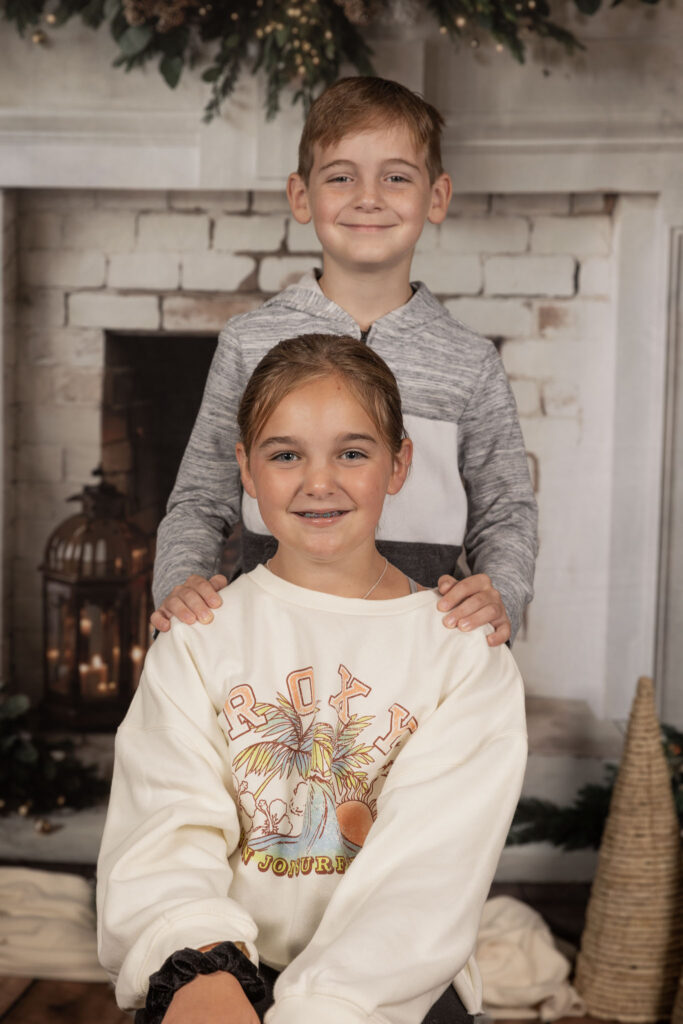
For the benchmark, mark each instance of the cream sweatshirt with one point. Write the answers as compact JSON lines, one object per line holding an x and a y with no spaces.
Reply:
{"x":327,"y":780}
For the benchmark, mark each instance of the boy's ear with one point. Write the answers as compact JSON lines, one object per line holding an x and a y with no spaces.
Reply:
{"x":402,"y":461}
{"x":245,"y":475}
{"x":442,"y":191}
{"x":297,"y":194}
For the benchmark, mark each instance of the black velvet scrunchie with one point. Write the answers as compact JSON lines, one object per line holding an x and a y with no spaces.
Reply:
{"x":185,"y":964}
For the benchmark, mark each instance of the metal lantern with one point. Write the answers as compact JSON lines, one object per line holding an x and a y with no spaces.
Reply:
{"x":96,"y":605}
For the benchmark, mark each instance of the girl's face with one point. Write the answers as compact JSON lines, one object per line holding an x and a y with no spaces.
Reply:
{"x":320,"y":471}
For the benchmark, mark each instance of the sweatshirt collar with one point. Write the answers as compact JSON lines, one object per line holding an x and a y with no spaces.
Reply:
{"x":306,"y":296}
{"x":292,"y":594}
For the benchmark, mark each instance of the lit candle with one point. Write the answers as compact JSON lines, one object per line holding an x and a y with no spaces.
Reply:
{"x":136,"y":656}
{"x":100,"y":668}
{"x":86,"y":625}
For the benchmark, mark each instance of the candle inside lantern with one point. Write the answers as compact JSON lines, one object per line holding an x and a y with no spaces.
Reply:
{"x":86,"y":625}
{"x":94,"y":676}
{"x":136,"y":656}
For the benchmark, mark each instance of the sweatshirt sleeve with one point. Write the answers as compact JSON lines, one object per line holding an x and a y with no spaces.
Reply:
{"x":403,"y":921}
{"x":163,"y":871}
{"x":205,"y":501}
{"x":502,"y":519}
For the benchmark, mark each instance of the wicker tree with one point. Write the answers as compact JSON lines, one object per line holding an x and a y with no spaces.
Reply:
{"x":632,"y":945}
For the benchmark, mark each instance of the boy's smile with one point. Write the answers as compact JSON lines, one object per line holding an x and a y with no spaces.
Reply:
{"x":320,"y":472}
{"x":369,"y":196}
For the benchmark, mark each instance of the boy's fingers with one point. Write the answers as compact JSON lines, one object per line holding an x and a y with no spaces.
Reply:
{"x":445,"y":583}
{"x":499,"y":636}
{"x":189,"y":606}
{"x":160,"y":621}
{"x":461,"y":589}
{"x":474,"y":612}
{"x":218,"y":582}
{"x":205,"y":590}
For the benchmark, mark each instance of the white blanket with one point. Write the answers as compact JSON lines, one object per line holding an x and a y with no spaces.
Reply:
{"x":47,"y":926}
{"x":523,"y":973}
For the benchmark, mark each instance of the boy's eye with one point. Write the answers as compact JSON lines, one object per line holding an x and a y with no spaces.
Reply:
{"x":397,"y":178}
{"x":340,"y":178}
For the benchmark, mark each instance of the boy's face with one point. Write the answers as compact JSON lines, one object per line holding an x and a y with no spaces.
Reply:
{"x":369,"y":196}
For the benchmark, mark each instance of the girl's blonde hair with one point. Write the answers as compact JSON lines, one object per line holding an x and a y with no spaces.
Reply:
{"x":308,"y":357}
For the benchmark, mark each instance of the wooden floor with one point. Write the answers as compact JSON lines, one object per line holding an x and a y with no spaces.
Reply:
{"x":23,"y":1001}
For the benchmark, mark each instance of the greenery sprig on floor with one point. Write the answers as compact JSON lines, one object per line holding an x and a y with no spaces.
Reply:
{"x":581,"y":824}
{"x":303,"y":43}
{"x":38,"y":775}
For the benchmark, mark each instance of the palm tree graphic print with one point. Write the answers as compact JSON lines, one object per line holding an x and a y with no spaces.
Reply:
{"x":328,"y":802}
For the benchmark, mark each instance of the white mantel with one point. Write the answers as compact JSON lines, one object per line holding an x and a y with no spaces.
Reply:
{"x":610,"y":117}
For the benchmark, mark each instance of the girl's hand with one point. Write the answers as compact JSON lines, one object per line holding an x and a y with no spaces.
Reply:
{"x":474,"y":602}
{"x":189,"y":602}
{"x":211,"y":999}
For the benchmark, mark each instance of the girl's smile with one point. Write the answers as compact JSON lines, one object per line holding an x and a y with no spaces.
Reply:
{"x":320,"y":471}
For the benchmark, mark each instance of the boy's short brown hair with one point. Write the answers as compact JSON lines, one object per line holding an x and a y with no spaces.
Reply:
{"x":365,"y":102}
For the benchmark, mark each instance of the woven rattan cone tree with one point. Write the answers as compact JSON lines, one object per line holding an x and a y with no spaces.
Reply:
{"x":677,"y":1015}
{"x":632,"y":944}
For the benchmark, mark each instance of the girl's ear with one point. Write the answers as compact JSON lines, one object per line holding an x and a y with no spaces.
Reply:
{"x":243,"y":460}
{"x":402,"y":460}
{"x":297,"y":194}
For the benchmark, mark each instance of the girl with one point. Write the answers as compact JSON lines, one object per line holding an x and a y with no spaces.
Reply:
{"x":320,"y":782}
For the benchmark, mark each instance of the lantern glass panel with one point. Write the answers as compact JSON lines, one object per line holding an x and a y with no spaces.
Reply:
{"x":60,"y":653}
{"x":99,"y":664}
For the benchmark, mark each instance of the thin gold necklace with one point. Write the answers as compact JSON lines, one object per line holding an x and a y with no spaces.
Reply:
{"x":373,"y":587}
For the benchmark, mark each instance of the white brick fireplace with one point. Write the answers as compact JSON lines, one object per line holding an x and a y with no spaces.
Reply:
{"x":562,"y":244}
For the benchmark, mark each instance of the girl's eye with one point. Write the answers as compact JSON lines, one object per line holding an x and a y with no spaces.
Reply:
{"x":353,"y":455}
{"x":284,"y":457}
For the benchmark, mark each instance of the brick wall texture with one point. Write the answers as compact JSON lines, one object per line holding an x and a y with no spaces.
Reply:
{"x":532,"y":272}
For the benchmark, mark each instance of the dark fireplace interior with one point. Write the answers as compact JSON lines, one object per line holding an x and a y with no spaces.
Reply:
{"x":151,"y":394}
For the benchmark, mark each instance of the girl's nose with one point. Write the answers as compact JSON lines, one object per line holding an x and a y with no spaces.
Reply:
{"x":319,"y":481}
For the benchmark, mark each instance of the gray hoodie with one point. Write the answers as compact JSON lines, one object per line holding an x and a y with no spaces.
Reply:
{"x":469,"y":486}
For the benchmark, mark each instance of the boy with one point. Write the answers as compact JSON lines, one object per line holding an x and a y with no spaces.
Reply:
{"x":369,"y":177}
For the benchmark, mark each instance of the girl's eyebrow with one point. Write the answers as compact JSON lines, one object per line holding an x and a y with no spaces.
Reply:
{"x":349,"y":438}
{"x":292,"y":442}
{"x":271,"y":441}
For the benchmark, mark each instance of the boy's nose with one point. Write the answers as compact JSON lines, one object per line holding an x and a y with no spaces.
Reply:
{"x":368,"y":198}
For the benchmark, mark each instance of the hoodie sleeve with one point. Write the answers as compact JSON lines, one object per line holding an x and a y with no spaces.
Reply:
{"x":502,"y":517}
{"x":163,"y":871}
{"x":205,"y":501}
{"x":403,"y":921}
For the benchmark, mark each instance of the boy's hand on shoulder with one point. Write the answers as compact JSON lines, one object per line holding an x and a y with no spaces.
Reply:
{"x":211,"y":999}
{"x":473,"y":602}
{"x":190,"y":602}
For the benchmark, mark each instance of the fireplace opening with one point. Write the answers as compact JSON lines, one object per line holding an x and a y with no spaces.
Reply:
{"x":152,"y":391}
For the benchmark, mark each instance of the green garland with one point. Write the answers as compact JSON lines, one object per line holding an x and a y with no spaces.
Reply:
{"x":581,"y":824}
{"x":39,"y":775}
{"x":296,"y":42}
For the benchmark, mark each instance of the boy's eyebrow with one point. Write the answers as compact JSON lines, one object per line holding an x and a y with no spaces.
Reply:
{"x":350,"y":163}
